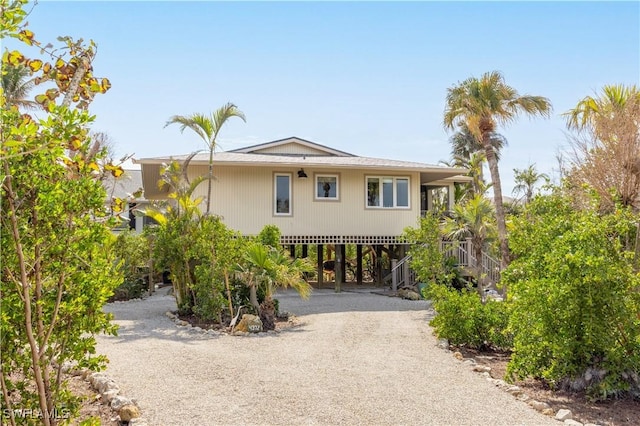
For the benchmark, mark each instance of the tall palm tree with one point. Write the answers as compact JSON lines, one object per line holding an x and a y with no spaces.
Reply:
{"x":464,"y":143}
{"x":526,"y":180}
{"x":208,"y":127}
{"x":16,"y":85}
{"x":474,"y":220}
{"x":611,"y":99}
{"x":482,"y":104}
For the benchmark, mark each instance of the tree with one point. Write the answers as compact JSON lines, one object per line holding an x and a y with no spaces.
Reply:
{"x":606,"y":150}
{"x":208,"y":128}
{"x":482,"y":105}
{"x":473,"y":219}
{"x":16,"y":85}
{"x":526,"y":180}
{"x":265,"y":268}
{"x":58,"y":268}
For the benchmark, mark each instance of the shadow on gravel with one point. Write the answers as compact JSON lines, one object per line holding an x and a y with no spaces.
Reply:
{"x":146,"y":318}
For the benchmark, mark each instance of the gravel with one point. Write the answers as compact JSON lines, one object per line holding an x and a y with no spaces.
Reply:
{"x":356,"y":358}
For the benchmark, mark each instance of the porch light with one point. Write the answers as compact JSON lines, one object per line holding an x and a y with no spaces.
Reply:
{"x":302,"y":174}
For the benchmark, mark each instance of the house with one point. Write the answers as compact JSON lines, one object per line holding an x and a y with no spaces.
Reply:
{"x":315,"y":195}
{"x":128,"y":187}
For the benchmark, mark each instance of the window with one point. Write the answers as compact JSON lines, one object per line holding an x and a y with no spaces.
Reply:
{"x":282,"y":194}
{"x":327,"y":187}
{"x":387,"y":192}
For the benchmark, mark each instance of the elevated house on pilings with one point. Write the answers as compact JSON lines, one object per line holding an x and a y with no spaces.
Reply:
{"x":316,"y":195}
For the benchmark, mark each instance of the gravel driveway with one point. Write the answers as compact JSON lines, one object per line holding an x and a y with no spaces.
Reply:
{"x":356,"y":359}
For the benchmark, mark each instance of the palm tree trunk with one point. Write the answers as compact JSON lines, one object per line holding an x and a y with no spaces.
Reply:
{"x":497,"y":196}
{"x":477,"y":249}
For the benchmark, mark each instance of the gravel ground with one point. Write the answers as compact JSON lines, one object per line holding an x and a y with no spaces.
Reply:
{"x":356,"y":358}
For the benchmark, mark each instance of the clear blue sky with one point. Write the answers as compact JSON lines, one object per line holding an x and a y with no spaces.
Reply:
{"x":368,"y":78}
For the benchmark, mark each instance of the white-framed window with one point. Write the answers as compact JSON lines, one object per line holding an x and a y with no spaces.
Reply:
{"x":327,"y":187}
{"x":387,"y":192}
{"x":282,"y":194}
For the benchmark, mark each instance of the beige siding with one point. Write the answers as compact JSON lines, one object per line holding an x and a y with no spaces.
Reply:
{"x":243,"y":196}
{"x":290,"y":148}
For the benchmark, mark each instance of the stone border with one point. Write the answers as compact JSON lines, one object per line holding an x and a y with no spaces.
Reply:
{"x":126,"y":409}
{"x":214,"y":333}
{"x":562,"y":415}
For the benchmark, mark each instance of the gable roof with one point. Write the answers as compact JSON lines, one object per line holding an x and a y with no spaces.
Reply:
{"x":293,"y":146}
{"x":125,"y":186}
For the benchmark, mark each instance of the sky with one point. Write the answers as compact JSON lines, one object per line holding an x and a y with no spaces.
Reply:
{"x":369,"y":78}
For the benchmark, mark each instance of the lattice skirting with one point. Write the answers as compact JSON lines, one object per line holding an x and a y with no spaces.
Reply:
{"x":342,"y":239}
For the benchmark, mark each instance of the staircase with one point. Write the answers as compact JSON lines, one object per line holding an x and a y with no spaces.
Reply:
{"x":402,"y":275}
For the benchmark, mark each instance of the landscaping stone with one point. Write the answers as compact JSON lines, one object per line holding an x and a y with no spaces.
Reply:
{"x":482,"y":368}
{"x":443,"y":344}
{"x":249,"y":324}
{"x":128,"y":412}
{"x":120,"y":401}
{"x":458,"y":355}
{"x":538,"y":405}
{"x":564,"y":414}
{"x":572,"y":422}
{"x":108,"y":396}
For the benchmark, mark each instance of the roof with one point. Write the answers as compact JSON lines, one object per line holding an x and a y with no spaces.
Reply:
{"x":295,"y":152}
{"x":124,"y":186}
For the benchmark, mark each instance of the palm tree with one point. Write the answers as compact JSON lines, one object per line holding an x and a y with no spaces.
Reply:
{"x":208,"y":127}
{"x":267,"y":268}
{"x":611,"y":99}
{"x":16,"y":85}
{"x":526,"y":180}
{"x":482,"y":105}
{"x":474,"y":220}
{"x":464,"y":143}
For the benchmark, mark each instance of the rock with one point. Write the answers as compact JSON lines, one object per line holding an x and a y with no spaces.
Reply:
{"x":572,"y":422}
{"x":120,"y":401}
{"x":523,"y":397}
{"x":109,"y":395}
{"x":198,"y":329}
{"x":408,"y":294}
{"x":128,"y":412}
{"x":94,"y":376}
{"x":249,"y":324}
{"x":538,"y":405}
{"x":458,"y":355}
{"x":548,"y":411}
{"x":591,"y":424}
{"x":170,"y":315}
{"x":482,"y":368}
{"x":514,"y":390}
{"x":564,"y":414}
{"x":138,"y":422}
{"x":86,"y":374}
{"x":443,"y":344}
{"x":104,"y":385}
{"x":469,"y":362}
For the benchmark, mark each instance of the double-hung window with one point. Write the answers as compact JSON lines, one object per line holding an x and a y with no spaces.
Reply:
{"x":282,"y":194}
{"x":387,"y":192}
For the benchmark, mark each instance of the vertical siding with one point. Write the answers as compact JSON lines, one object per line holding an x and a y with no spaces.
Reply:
{"x":243,"y":196}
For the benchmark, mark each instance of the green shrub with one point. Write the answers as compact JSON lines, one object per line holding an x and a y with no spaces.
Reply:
{"x":132,"y":253}
{"x":575,"y":298}
{"x":463,"y":319}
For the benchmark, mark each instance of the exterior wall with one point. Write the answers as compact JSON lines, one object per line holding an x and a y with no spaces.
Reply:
{"x":243,"y":196}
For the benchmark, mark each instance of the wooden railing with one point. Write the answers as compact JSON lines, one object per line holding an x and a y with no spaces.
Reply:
{"x":402,"y":275}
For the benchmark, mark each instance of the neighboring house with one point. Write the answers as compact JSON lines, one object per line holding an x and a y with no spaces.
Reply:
{"x":314,"y":194}
{"x":128,"y":187}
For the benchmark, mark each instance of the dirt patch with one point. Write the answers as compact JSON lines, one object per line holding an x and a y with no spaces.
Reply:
{"x":92,"y":406}
{"x":609,"y":413}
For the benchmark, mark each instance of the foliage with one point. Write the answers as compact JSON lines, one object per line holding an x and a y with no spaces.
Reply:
{"x":427,"y":259}
{"x":605,"y":153}
{"x":475,"y":220}
{"x":480,"y":105}
{"x":526,"y":180}
{"x":463,"y":319}
{"x":575,"y":297}
{"x":208,"y":128}
{"x":265,"y":268}
{"x":270,"y":236}
{"x":58,"y":265}
{"x":132,"y":253}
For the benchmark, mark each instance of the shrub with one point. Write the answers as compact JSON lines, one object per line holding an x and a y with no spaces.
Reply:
{"x":132,"y":252}
{"x":575,"y":298}
{"x":463,"y":319}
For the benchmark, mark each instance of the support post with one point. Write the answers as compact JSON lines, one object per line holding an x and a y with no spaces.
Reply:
{"x":292,"y":250}
{"x":320,"y":268}
{"x":394,"y":275}
{"x":338,"y":272}
{"x":379,"y":276}
{"x":359,"y":263}
{"x":305,"y":252}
